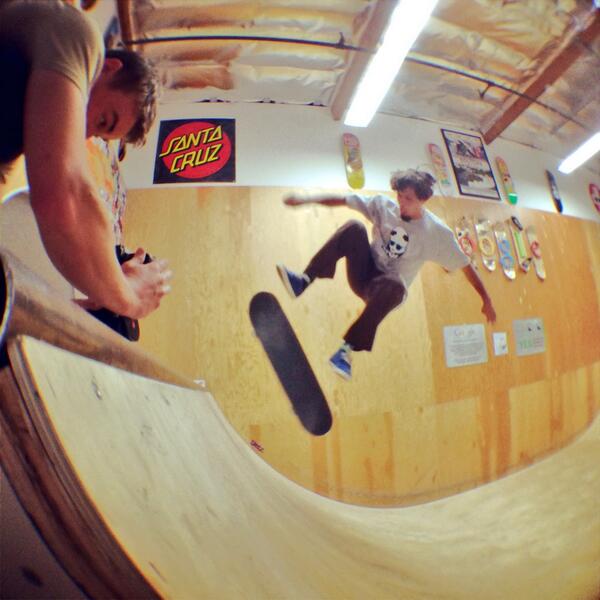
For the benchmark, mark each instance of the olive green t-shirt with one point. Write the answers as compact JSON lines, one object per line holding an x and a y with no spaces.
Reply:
{"x":54,"y":36}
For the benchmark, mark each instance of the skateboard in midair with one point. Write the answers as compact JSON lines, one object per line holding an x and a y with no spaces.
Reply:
{"x":440,"y":168}
{"x":465,"y":239}
{"x":485,"y":241}
{"x":507,"y":182}
{"x":290,"y":363}
{"x":554,"y":192}
{"x":595,"y":195}
{"x":507,"y":260}
{"x":521,"y":246}
{"x":536,"y":252}
{"x":355,"y":173}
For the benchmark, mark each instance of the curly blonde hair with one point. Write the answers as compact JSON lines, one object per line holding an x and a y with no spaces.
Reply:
{"x":420,"y":181}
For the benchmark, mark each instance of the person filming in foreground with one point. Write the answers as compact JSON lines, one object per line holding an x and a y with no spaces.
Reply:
{"x":59,"y":87}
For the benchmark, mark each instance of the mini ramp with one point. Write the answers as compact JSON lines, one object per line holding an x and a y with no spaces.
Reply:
{"x":142,"y":489}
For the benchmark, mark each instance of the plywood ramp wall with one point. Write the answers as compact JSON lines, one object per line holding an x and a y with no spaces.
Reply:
{"x":406,"y":429}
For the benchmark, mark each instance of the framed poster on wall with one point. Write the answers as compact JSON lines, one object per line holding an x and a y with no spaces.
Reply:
{"x":472,"y":169}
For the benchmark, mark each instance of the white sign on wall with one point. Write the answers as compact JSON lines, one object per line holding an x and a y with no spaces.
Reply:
{"x":529,"y":336}
{"x":465,"y":345}
{"x":500,"y":343}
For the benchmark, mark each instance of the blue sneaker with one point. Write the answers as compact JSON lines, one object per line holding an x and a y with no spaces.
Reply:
{"x":340,"y":362}
{"x":294,"y":283}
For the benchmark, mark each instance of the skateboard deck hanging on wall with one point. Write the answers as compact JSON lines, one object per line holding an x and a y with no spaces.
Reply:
{"x":554,"y":192}
{"x":536,"y":252}
{"x":355,"y":173}
{"x":507,"y":182}
{"x":595,"y":195}
{"x":465,"y":239}
{"x":521,"y":246}
{"x":485,"y":241}
{"x":507,"y":260}
{"x":440,"y":168}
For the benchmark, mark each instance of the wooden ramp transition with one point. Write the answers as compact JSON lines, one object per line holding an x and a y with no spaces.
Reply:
{"x":143,"y":489}
{"x":148,"y":491}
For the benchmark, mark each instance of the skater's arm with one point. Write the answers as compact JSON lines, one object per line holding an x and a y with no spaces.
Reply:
{"x":473,"y":278}
{"x":325,"y":200}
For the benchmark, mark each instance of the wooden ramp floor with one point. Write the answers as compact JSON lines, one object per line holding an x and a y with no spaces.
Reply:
{"x":201,"y":516}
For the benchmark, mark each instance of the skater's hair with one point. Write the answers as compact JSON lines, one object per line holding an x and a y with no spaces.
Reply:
{"x":420,"y":181}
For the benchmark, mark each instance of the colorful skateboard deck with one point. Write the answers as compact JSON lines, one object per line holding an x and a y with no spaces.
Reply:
{"x":536,"y":252}
{"x":465,"y":239}
{"x":521,"y":246}
{"x":507,"y":182}
{"x":554,"y":191}
{"x":355,"y":173}
{"x":507,"y":260}
{"x":485,"y":241}
{"x":290,"y":363}
{"x":595,"y":195}
{"x":440,"y":169}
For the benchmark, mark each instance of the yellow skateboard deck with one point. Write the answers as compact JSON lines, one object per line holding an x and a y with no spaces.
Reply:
{"x":353,"y":161}
{"x":536,"y":251}
{"x":485,"y":241}
{"x":521,"y":245}
{"x":507,"y":260}
{"x":440,"y":169}
{"x":507,"y":182}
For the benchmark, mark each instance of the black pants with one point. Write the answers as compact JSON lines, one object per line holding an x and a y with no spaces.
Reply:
{"x":380,"y":292}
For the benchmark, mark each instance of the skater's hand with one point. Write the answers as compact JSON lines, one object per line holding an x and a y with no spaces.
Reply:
{"x":488,"y":310}
{"x":294,"y":200}
{"x":149,"y":283}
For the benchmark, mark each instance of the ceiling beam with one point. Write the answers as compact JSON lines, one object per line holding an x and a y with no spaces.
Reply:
{"x":554,"y":68}
{"x":370,"y":37}
{"x":125,"y":22}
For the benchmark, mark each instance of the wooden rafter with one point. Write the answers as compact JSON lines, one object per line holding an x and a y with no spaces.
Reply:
{"x":124,"y":12}
{"x":370,"y":37}
{"x":554,"y":68}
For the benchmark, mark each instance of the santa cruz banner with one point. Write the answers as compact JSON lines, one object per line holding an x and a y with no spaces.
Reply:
{"x":195,"y":150}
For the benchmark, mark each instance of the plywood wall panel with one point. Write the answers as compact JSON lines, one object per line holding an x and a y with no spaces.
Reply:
{"x":407,"y":428}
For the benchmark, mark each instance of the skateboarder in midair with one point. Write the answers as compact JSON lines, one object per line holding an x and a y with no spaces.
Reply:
{"x":404,"y":236}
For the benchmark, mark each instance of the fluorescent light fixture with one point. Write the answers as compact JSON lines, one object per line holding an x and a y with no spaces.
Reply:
{"x":406,"y":23}
{"x":583,"y":153}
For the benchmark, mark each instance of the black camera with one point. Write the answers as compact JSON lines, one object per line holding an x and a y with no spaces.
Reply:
{"x":125,"y":326}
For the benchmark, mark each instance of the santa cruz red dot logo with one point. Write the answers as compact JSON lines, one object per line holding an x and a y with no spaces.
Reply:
{"x":196,"y":150}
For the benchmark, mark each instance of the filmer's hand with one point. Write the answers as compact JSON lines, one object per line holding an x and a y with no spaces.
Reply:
{"x":149,"y":283}
{"x":87,"y":303}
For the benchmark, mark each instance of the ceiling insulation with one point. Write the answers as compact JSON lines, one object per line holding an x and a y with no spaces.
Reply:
{"x":528,"y":70}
